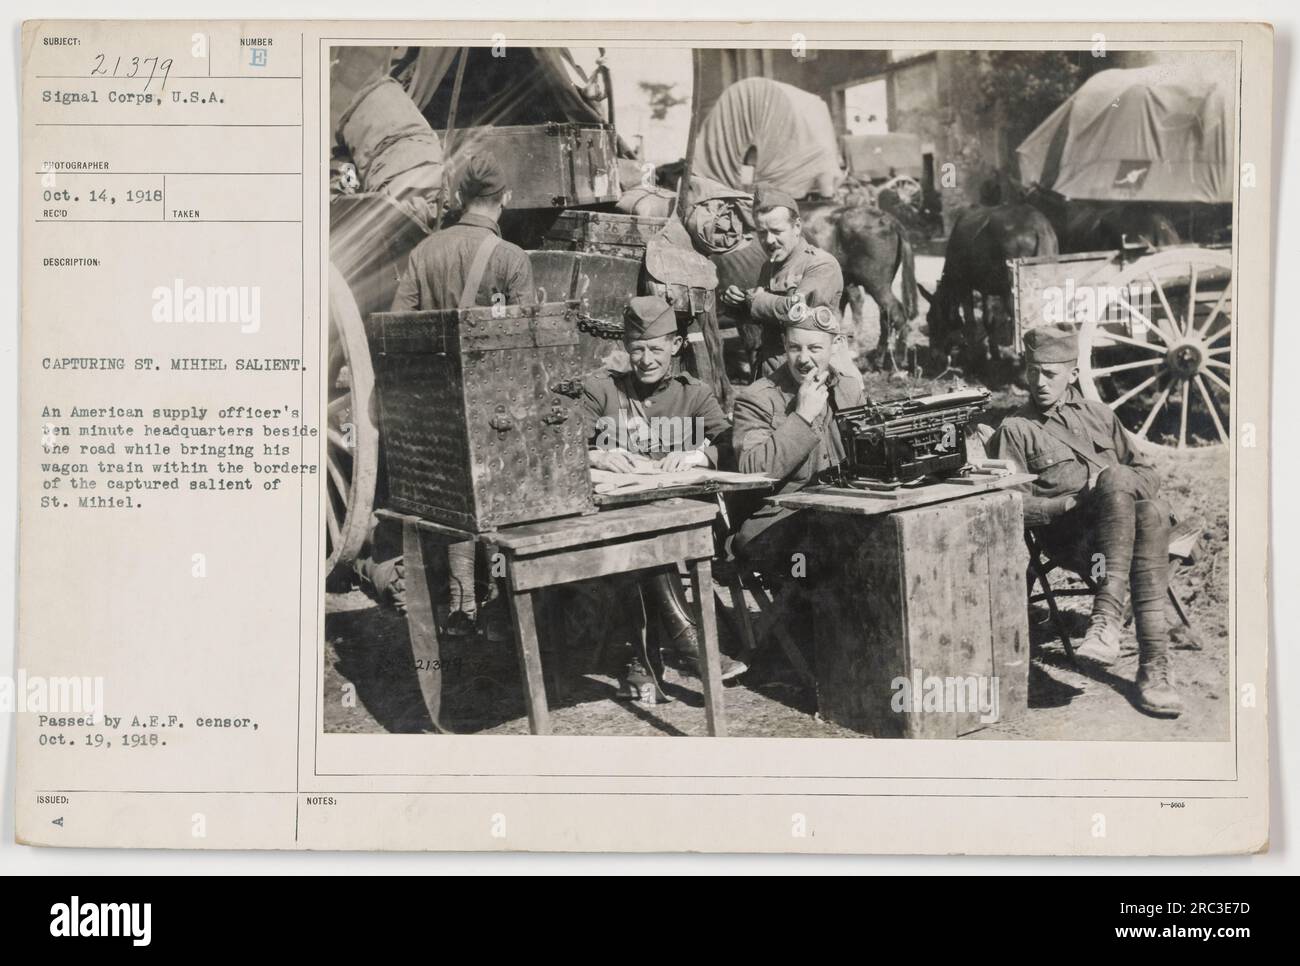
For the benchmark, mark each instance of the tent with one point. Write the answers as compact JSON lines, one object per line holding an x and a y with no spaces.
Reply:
{"x":1159,"y":133}
{"x":789,"y":129}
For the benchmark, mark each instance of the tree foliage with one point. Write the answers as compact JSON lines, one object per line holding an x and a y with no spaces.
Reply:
{"x":662,"y":98}
{"x":1028,"y":84}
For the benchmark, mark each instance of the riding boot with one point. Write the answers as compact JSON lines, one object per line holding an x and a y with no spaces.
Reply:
{"x":665,"y":596}
{"x":1155,"y":683}
{"x":1115,"y":526}
{"x":642,"y":678}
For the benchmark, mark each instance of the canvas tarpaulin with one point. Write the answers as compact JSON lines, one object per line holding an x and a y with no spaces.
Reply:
{"x":1158,"y":133}
{"x":790,"y":130}
{"x":532,"y":85}
{"x":387,"y":136}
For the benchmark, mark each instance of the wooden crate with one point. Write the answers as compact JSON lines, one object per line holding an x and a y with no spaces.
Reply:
{"x":550,"y":165}
{"x":938,"y":589}
{"x":479,"y":414}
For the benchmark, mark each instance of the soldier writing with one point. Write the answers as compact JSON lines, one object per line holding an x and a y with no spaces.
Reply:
{"x":624,"y":412}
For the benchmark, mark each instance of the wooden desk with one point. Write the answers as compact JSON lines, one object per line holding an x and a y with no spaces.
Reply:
{"x":930,"y":585}
{"x":553,"y":552}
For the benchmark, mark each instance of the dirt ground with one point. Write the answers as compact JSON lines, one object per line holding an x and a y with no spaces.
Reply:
{"x":367,"y":647}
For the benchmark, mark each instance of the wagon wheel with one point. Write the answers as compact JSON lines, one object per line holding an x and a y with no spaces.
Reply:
{"x":352,"y":444}
{"x":1161,"y":354}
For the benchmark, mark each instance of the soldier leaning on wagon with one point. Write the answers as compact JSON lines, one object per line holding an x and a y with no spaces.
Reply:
{"x":465,"y":265}
{"x":651,"y":414}
{"x":796,"y":277}
{"x":784,"y":427}
{"x":1095,"y":495}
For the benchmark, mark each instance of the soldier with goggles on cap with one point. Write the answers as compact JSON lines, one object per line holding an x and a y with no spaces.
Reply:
{"x":785,"y":428}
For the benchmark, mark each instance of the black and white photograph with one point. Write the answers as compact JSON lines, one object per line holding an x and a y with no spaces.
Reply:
{"x":749,"y":439}
{"x":779,"y":393}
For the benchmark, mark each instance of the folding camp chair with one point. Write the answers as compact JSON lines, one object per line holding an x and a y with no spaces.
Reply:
{"x":1184,"y":546}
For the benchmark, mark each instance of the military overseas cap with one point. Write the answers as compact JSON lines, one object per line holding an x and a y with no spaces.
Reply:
{"x":823,"y":318}
{"x":1052,"y":343}
{"x":648,"y":317}
{"x":768,"y":195}
{"x":481,"y":176}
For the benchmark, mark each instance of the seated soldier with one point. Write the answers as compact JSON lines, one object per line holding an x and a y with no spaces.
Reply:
{"x":796,"y":276}
{"x":785,"y":428}
{"x":652,"y":419}
{"x":1095,"y":503}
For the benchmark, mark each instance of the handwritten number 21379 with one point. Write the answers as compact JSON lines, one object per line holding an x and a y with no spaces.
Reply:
{"x":157,"y":67}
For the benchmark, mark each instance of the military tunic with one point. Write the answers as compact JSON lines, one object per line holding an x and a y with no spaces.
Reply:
{"x":771,"y":438}
{"x":1035,"y":442}
{"x":618,"y":415}
{"x":437,"y":270}
{"x":615,"y":415}
{"x":809,"y":277}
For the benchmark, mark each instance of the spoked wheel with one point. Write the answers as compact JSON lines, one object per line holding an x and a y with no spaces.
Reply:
{"x":352,"y":446}
{"x":1161,"y":354}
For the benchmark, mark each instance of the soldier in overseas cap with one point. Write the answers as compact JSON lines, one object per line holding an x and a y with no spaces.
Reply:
{"x":468,"y":263}
{"x":482,"y":177}
{"x":1095,"y":506}
{"x":796,"y":276}
{"x":654,"y":419}
{"x":785,"y":428}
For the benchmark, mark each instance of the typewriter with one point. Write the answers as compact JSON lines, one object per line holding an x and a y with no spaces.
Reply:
{"x":903,"y":440}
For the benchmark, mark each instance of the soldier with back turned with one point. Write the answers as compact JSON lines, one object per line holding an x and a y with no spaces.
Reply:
{"x":465,"y":265}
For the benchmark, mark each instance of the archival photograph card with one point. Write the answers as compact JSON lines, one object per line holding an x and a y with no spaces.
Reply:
{"x":765,"y":437}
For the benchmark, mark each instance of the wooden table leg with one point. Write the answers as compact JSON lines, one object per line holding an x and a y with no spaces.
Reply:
{"x":422,"y":623}
{"x":711,"y":671}
{"x":530,"y":661}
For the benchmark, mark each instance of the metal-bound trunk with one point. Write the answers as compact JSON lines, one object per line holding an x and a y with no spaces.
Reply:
{"x":479,"y":415}
{"x":604,"y":233}
{"x":550,"y":165}
{"x":601,"y":285}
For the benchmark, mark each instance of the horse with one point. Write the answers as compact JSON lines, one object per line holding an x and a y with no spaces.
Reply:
{"x":975,"y":260}
{"x":871,"y":247}
{"x":1103,"y":226}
